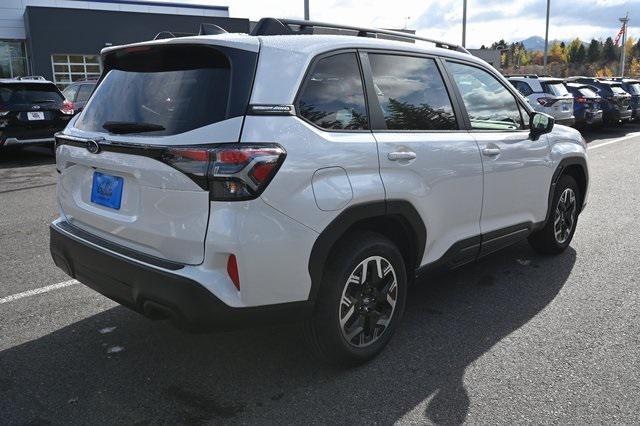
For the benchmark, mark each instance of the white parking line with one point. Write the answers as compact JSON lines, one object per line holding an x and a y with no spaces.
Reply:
{"x":631,"y":136}
{"x":40,"y":290}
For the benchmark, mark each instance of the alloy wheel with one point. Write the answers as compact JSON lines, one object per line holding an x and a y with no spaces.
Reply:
{"x":368,"y":301}
{"x":564,"y":219}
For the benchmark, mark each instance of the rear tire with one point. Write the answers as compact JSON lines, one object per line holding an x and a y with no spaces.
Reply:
{"x":558,"y":232}
{"x":360,"y":301}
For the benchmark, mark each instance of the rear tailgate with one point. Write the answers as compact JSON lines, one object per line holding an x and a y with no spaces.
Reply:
{"x":126,"y":184}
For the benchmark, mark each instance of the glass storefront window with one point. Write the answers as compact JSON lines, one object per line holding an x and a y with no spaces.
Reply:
{"x":13,"y":59}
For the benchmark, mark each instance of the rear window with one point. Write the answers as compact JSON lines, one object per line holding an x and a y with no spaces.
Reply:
{"x":555,"y":88}
{"x":169,"y":90}
{"x":618,"y":90}
{"x":29,"y":93}
{"x":588,"y":93}
{"x":634,"y":88}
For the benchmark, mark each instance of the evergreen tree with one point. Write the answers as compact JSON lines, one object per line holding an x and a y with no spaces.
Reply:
{"x":594,"y":51}
{"x":581,"y":54}
{"x":609,"y":50}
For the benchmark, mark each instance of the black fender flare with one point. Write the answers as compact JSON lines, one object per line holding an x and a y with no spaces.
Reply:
{"x":339,"y":226}
{"x":562,"y":166}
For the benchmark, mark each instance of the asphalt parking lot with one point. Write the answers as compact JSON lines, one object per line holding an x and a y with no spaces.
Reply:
{"x":514,"y":338}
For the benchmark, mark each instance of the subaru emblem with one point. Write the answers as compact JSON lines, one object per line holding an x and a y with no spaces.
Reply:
{"x":35,"y":107}
{"x":93,"y":146}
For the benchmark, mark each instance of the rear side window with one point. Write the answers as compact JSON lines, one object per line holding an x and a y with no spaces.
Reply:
{"x":522,"y":87}
{"x":411,"y":93}
{"x":84,"y":92}
{"x":29,"y":94}
{"x":70,"y":93}
{"x":333,"y":97}
{"x":489,"y":104}
{"x":169,"y":89}
{"x":634,"y":88}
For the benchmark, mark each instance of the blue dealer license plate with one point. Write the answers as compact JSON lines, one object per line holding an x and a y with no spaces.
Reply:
{"x":107,"y":190}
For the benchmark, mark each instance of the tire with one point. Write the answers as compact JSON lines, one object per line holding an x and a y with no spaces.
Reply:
{"x":342,"y":296}
{"x":558,"y":232}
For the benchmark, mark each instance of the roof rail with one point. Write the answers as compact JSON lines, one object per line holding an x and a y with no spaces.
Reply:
{"x":522,"y":75}
{"x":211,"y":29}
{"x":171,"y":34}
{"x":273,"y":26}
{"x":32,"y":77}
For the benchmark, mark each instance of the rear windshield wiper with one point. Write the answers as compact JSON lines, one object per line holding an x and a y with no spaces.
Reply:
{"x":122,"y":127}
{"x":43,"y":101}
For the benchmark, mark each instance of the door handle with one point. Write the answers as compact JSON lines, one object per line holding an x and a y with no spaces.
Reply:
{"x":491,"y":152}
{"x":401,"y":155}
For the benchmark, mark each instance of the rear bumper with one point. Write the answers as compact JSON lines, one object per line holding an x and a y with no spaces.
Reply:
{"x":28,"y":136}
{"x":20,"y":142}
{"x":154,"y":291}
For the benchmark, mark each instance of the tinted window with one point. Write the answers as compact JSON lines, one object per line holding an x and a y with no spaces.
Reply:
{"x":179,"y":88}
{"x":333,"y":96}
{"x":618,"y":90}
{"x":70,"y":93}
{"x":84,"y":92}
{"x":29,"y":93}
{"x":634,"y":88}
{"x":556,"y":88}
{"x":411,"y":93}
{"x":522,"y":87}
{"x":489,"y":104}
{"x":588,"y":93}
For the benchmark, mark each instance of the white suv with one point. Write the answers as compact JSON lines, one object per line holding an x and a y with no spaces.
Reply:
{"x":242,"y":179}
{"x":546,"y":94}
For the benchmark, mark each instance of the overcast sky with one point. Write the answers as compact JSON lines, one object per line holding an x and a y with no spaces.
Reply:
{"x":487,"y":21}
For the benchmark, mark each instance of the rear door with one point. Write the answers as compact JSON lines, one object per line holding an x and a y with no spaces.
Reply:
{"x":517,"y":169}
{"x":129,"y":168}
{"x":425,"y":155}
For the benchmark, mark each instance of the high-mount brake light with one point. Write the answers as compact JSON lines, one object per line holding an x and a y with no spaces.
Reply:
{"x":231,"y":172}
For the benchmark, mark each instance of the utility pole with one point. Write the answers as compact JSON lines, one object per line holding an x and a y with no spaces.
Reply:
{"x":624,"y":41}
{"x":464,"y":23}
{"x":306,"y":10}
{"x":546,"y":38}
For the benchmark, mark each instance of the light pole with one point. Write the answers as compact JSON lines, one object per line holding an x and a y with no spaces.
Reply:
{"x":306,"y":10}
{"x":546,"y":38}
{"x":624,"y":41}
{"x":464,"y":23}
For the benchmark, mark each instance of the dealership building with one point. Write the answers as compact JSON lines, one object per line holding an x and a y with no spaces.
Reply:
{"x":61,"y":39}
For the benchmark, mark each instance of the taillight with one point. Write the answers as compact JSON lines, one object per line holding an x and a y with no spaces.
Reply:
{"x":547,"y":101}
{"x":67,"y":107}
{"x":231,"y":172}
{"x":3,"y":111}
{"x":581,"y":100}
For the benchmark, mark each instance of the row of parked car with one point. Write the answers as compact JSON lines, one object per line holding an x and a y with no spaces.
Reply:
{"x":581,"y":101}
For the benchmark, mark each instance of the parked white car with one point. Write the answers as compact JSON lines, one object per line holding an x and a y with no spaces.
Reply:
{"x":546,"y":94}
{"x":243,"y":179}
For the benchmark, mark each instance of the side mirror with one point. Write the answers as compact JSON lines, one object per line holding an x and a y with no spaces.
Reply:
{"x":540,"y":123}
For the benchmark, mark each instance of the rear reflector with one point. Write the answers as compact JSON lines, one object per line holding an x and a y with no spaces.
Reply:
{"x":232,"y":270}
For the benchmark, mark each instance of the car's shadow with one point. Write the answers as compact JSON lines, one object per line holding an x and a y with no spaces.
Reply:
{"x":592,"y":133}
{"x":25,"y":157}
{"x":266,"y":375}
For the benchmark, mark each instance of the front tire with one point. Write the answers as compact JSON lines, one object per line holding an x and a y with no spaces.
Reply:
{"x":360,"y":301}
{"x":558,"y":232}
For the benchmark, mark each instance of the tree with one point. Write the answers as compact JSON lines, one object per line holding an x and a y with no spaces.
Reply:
{"x":581,"y":54}
{"x":483,"y":47}
{"x":594,"y":51}
{"x":634,"y":68}
{"x":609,"y":50}
{"x":556,"y":53}
{"x":572,"y":50}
